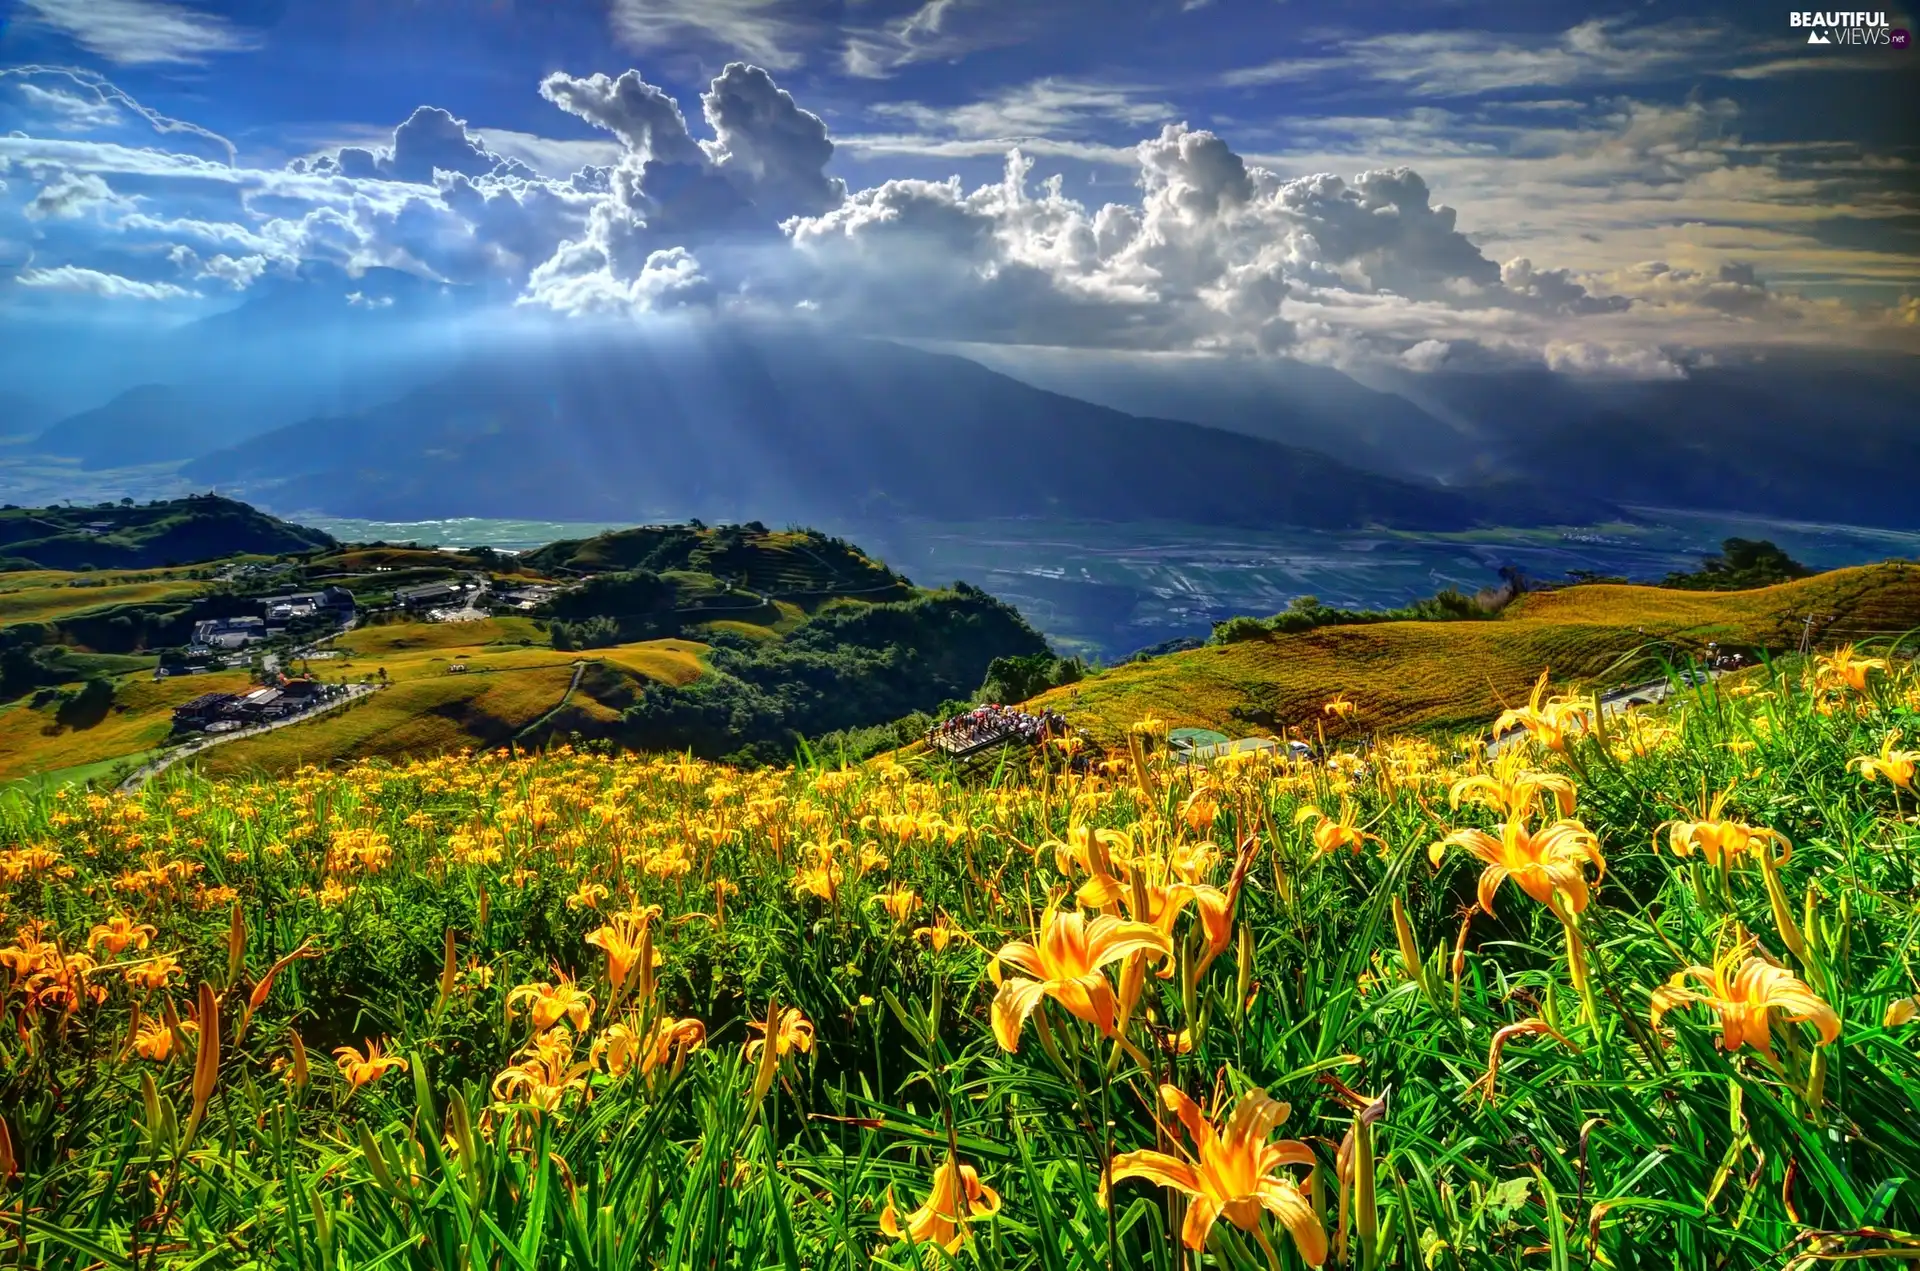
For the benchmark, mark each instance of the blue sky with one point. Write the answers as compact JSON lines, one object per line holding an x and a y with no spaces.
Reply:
{"x":1606,"y":188}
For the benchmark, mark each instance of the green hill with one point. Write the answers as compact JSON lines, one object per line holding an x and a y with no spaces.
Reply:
{"x":782,"y":564}
{"x":163,"y":533}
{"x":1427,"y":675}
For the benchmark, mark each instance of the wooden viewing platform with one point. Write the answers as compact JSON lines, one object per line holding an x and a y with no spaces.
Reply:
{"x":956,"y":746}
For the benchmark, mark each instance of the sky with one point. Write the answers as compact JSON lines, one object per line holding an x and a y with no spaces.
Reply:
{"x":1606,"y":189}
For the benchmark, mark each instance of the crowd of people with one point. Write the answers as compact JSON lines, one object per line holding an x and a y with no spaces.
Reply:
{"x":993,"y":722}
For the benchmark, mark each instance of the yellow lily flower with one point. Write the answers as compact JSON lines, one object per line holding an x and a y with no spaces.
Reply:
{"x":783,"y":1032}
{"x":1065,"y":961}
{"x":786,"y":1027}
{"x":546,"y":1074}
{"x":155,"y":1040}
{"x":622,"y":1046}
{"x":1896,"y":767}
{"x":553,"y":1002}
{"x":1721,"y":840}
{"x":941,"y":933}
{"x":1745,"y":999}
{"x":587,"y":896}
{"x":1512,"y":789}
{"x":1552,"y":723}
{"x":364,"y":1068}
{"x":900,"y":901}
{"x":1542,"y":863}
{"x":1231,"y":1172}
{"x":1340,"y":708}
{"x":958,"y":1196}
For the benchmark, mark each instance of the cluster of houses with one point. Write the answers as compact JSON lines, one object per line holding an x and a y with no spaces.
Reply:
{"x":226,"y":712}
{"x":214,"y":636}
{"x":465,"y":596}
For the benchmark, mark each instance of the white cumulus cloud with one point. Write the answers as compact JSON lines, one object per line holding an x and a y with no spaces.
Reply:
{"x":94,"y":282}
{"x":140,"y":32}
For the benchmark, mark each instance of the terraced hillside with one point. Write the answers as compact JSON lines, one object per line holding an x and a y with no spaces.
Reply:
{"x":1420,"y":675}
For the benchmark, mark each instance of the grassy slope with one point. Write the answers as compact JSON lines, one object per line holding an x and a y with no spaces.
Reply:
{"x":1405,"y":675}
{"x":428,"y":709}
{"x":391,"y":639}
{"x":44,"y":596}
{"x":33,"y":741}
{"x":422,"y":716}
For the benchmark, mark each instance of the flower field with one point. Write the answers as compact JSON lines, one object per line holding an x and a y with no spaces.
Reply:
{"x":1639,"y":993}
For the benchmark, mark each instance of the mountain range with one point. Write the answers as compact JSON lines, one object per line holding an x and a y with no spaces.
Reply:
{"x":389,"y":396}
{"x":790,"y":427}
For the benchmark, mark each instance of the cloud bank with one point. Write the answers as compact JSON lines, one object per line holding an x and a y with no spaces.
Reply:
{"x":1214,"y":251}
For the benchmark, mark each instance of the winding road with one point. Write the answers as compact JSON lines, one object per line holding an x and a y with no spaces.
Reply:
{"x":1613,"y":702}
{"x":140,"y":776}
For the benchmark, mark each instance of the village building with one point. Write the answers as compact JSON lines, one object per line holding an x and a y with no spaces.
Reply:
{"x":431,"y":595}
{"x":202,"y":712}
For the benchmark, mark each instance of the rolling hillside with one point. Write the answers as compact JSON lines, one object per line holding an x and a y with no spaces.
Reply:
{"x":1417,"y":675}
{"x":34,"y":740}
{"x":54,"y":595}
{"x":429,"y":708}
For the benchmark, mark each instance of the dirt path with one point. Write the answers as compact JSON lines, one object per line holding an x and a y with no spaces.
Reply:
{"x":579,"y":669}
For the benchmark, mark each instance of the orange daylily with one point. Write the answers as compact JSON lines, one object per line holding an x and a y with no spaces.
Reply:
{"x":1844,"y":668}
{"x":1330,"y":834}
{"x":941,"y":933}
{"x":784,"y":1031}
{"x":1745,"y":998}
{"x":958,"y":1196}
{"x":1543,"y":863}
{"x":157,"y":1041}
{"x":363,"y":1068}
{"x":118,"y":934}
{"x":1231,"y":1172}
{"x":1065,"y":961}
{"x":545,"y":1074}
{"x":627,"y":940}
{"x":1153,"y":887}
{"x":623,"y":1046}
{"x":1501,"y":1036}
{"x":587,"y":896}
{"x":787,"y":1027}
{"x":154,"y":973}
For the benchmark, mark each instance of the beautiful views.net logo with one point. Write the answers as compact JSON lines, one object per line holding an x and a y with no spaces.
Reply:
{"x":1849,"y":28}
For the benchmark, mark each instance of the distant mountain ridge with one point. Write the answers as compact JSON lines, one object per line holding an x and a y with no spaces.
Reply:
{"x":796,"y":428}
{"x":1795,"y":436}
{"x":139,"y":536}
